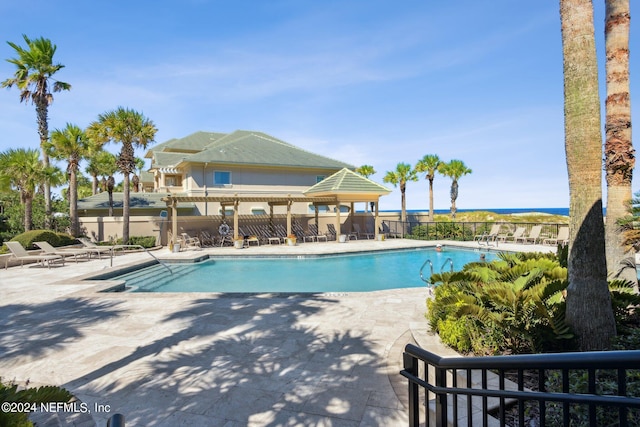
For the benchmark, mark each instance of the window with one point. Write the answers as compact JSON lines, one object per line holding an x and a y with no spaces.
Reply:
{"x":227,"y":212}
{"x":320,"y":178}
{"x":172,"y":180}
{"x":321,"y":208}
{"x":221,"y":178}
{"x":258,"y":211}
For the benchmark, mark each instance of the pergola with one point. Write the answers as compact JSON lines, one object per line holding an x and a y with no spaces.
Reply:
{"x":344,"y":186}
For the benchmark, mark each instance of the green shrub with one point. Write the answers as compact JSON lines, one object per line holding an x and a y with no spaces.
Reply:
{"x":514,"y":304}
{"x":26,"y":239}
{"x":11,"y":394}
{"x":144,"y":241}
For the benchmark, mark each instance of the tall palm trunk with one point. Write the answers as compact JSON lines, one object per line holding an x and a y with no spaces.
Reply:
{"x":73,"y":202}
{"x":589,"y":309}
{"x":619,"y":152}
{"x":403,"y":212}
{"x":42,"y":112}
{"x":125,"y":208}
{"x":28,"y":211}
{"x":430,"y":199}
{"x":111,"y":182}
{"x":454,"y":197}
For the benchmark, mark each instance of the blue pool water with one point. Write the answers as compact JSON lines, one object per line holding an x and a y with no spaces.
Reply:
{"x":343,"y":273}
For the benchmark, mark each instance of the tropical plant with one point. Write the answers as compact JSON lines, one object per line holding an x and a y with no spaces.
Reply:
{"x":73,"y":145}
{"x":131,"y":129}
{"x":135,"y":179}
{"x":399,"y":177}
{"x":34,"y":78}
{"x":11,"y":393}
{"x":103,"y":164}
{"x":514,"y":304}
{"x":429,"y":165}
{"x":619,"y":155}
{"x":588,"y":301}
{"x":22,"y":169}
{"x":366,"y":171}
{"x":455,"y":169}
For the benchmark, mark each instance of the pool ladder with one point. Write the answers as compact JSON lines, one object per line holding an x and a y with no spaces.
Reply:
{"x":144,"y":249}
{"x":428,"y":261}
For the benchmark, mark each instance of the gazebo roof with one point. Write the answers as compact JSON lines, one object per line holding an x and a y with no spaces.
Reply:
{"x":346,"y":184}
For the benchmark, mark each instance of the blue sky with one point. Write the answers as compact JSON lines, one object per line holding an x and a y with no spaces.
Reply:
{"x":367,"y":82}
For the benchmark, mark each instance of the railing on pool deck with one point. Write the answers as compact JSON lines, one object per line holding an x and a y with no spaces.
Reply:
{"x":461,"y":231}
{"x":457,"y":391}
{"x":144,"y":249}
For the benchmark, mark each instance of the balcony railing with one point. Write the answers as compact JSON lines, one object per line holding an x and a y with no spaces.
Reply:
{"x":570,"y":389}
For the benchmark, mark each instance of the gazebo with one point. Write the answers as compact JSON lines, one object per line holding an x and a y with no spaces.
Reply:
{"x":346,"y":186}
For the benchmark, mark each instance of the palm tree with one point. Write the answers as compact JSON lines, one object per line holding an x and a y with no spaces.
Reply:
{"x":21,"y":168}
{"x":589,"y":310}
{"x":101,"y":164}
{"x":135,"y":179}
{"x":429,"y":165}
{"x":34,"y":78}
{"x":73,"y":145}
{"x":366,"y":171}
{"x":131,"y":129}
{"x":455,"y":169}
{"x":618,"y":150}
{"x":399,"y":177}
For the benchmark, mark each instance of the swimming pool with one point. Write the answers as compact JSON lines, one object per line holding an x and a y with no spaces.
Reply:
{"x":342,"y":273}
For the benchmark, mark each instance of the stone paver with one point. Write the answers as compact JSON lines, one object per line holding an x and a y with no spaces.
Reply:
{"x":210,"y":359}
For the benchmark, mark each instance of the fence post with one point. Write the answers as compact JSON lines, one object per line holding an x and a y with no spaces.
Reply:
{"x":411,"y":366}
{"x":441,"y":397}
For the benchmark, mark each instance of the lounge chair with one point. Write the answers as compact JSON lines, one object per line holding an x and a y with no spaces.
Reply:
{"x":331,"y":232}
{"x":47,"y":249}
{"x":248,"y":237}
{"x":301,"y":234}
{"x":360,"y":233}
{"x":96,"y":249}
{"x":490,"y":236}
{"x":207,"y":239}
{"x":281,"y":232}
{"x":533,"y":236}
{"x":519,"y":233}
{"x":20,"y":253}
{"x":561,"y":238}
{"x":314,"y":230}
{"x":265,"y":232}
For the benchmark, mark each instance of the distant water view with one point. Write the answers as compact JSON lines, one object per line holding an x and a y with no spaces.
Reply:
{"x":508,"y":211}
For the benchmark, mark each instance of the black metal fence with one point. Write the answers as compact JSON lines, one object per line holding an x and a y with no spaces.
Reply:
{"x":570,"y":389}
{"x":461,"y":231}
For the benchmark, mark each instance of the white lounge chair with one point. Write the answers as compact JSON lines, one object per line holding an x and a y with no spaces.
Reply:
{"x":47,"y":249}
{"x":519,"y":233}
{"x":490,"y":236}
{"x":533,"y":236}
{"x":96,"y":249}
{"x":190,"y":242}
{"x":562,"y":237}
{"x":20,"y":253}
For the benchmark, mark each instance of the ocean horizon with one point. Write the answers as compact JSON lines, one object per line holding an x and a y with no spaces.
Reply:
{"x":502,"y":211}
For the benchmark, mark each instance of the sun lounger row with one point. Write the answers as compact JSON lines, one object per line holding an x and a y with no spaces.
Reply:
{"x":51,"y":254}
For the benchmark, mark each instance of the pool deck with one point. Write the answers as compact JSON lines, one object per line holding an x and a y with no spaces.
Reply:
{"x":197,"y":359}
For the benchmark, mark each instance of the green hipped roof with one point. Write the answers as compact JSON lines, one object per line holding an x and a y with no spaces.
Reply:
{"x":189,"y":144}
{"x":136,"y":201}
{"x":346,"y":181}
{"x":161,"y":159}
{"x":260,"y":149}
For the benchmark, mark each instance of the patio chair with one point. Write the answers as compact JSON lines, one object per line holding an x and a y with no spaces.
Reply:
{"x":301,"y":234}
{"x":265,"y":232}
{"x":331,"y":232}
{"x":47,"y":249}
{"x":281,"y":232}
{"x":96,"y":249}
{"x":314,"y":230}
{"x":359,"y":231}
{"x":533,"y":236}
{"x":561,"y":238}
{"x":207,"y":239}
{"x":490,"y":236}
{"x":189,"y":242}
{"x":519,"y":233}
{"x":20,"y":253}
{"x":249,"y":237}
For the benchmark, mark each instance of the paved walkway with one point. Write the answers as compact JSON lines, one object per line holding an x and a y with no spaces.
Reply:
{"x":208,"y":359}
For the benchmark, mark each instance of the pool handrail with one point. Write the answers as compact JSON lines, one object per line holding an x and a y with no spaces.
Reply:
{"x":448,"y":260}
{"x":144,"y":249}
{"x":428,"y":261}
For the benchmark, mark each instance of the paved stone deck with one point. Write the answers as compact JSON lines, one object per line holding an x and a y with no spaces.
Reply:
{"x":207,"y":359}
